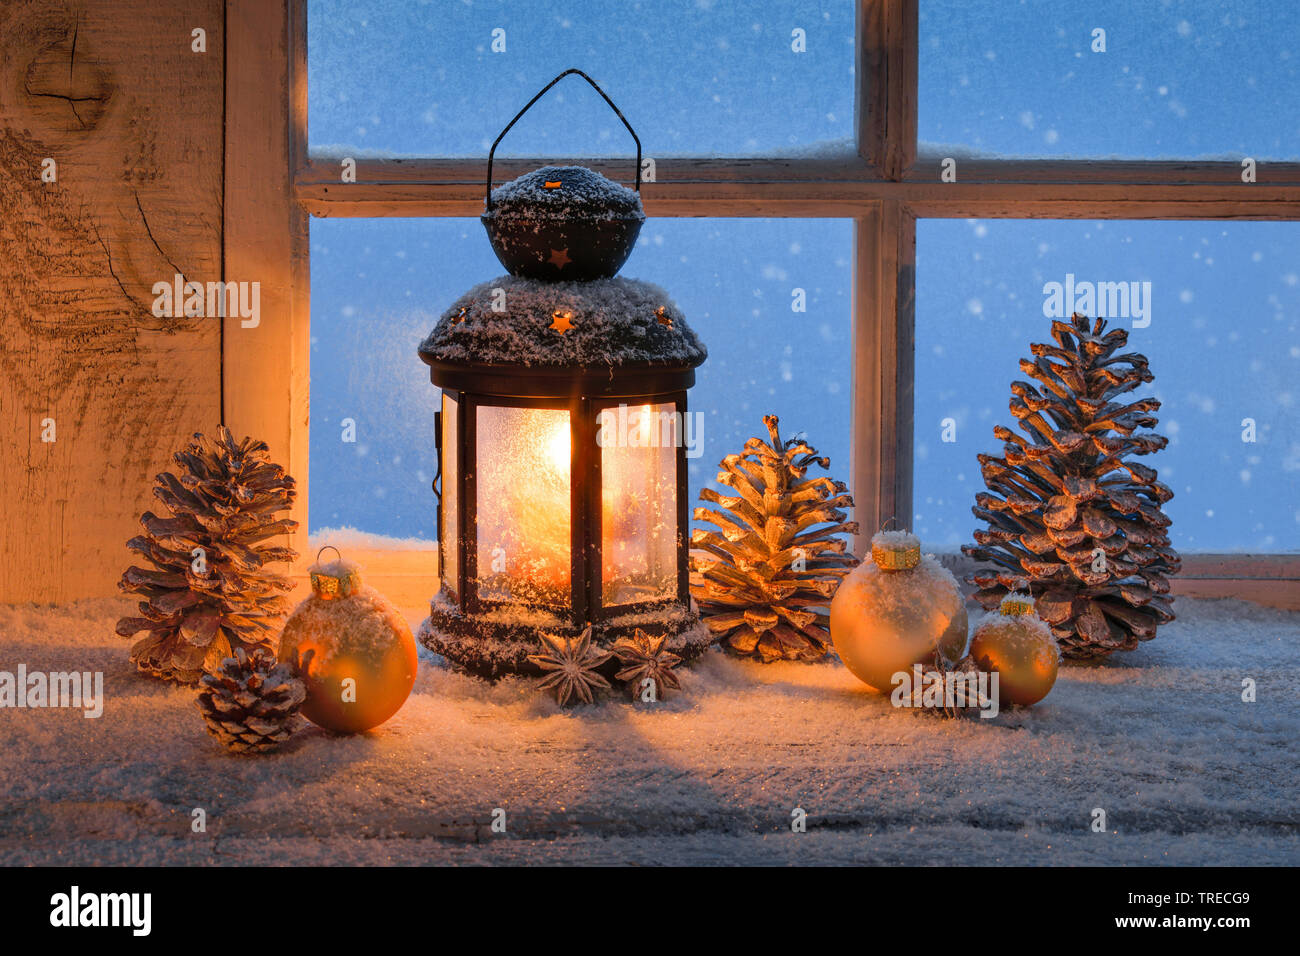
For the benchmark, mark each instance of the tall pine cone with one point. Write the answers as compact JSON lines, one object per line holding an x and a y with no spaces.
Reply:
{"x":764,"y":580}
{"x":1069,"y":518}
{"x":251,"y":703}
{"x":209,"y":592}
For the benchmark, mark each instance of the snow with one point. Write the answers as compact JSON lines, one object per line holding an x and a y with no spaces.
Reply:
{"x":581,"y":194}
{"x":345,"y":538}
{"x":1186,"y":772}
{"x":895,"y":540}
{"x":613,"y":322}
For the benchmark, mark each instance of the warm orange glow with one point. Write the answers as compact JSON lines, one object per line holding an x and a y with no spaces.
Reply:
{"x":524,"y":522}
{"x":559,"y":449}
{"x":638,"y":503}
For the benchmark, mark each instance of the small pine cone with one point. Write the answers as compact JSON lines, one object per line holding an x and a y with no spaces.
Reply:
{"x":251,"y":703}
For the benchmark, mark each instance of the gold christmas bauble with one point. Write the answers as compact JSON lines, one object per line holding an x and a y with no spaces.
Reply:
{"x":896,"y":610}
{"x":356,"y":651}
{"x":1020,"y":648}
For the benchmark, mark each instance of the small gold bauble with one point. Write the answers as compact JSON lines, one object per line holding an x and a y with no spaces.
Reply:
{"x":896,"y":610}
{"x":356,"y":651}
{"x":1021,"y":648}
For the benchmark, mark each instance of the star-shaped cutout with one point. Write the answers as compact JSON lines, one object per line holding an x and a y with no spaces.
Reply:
{"x":561,"y":321}
{"x":560,"y":258}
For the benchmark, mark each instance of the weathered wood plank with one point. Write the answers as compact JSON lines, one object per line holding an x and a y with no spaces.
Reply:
{"x":883,"y":321}
{"x":321,"y":169}
{"x":681,"y":196}
{"x":887,"y":55}
{"x":267,"y":366}
{"x":131,"y":117}
{"x":1269,"y":579}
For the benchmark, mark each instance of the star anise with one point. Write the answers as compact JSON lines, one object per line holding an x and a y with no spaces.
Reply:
{"x":644,"y":658}
{"x":572,"y":663}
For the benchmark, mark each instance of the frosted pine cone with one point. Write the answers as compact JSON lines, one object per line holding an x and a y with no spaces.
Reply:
{"x":251,"y":703}
{"x":1071,"y":517}
{"x":764,"y":579}
{"x":210,"y":589}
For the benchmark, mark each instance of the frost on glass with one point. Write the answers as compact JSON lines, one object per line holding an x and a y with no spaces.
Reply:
{"x":638,"y":518}
{"x":523,"y":501}
{"x":694,"y":77}
{"x":450,"y":484}
{"x":770,"y":299}
{"x":1217,"y":313}
{"x":1178,"y":79}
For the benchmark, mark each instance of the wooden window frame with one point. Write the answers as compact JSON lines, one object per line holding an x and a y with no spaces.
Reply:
{"x":272,"y":185}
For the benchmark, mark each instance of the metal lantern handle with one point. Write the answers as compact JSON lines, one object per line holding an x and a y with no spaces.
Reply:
{"x":492,"y":151}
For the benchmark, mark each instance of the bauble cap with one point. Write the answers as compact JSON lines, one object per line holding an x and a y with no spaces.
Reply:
{"x":1016,"y":605}
{"x":335,"y":579}
{"x":895,"y":550}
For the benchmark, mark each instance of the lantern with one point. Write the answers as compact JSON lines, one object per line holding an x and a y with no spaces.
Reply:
{"x":562,"y":434}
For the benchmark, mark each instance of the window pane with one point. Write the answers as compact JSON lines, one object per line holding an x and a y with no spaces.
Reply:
{"x":638,"y":520}
{"x":1223,"y":340}
{"x":691,"y":76}
{"x":450,"y":484}
{"x":378,"y":286}
{"x":1178,"y":79}
{"x":523,"y":521}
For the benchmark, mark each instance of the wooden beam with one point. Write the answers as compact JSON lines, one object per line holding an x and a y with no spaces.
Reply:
{"x":322,"y":169}
{"x":267,"y":365}
{"x":887,"y":85}
{"x":97,"y":392}
{"x":983,"y":170}
{"x":883,"y":321}
{"x":1269,"y":579}
{"x":688,"y":188}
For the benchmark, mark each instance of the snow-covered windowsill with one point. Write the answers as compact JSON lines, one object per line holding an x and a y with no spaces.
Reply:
{"x":1160,"y":738}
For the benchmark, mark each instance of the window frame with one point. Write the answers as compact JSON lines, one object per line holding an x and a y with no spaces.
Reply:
{"x":272,"y":186}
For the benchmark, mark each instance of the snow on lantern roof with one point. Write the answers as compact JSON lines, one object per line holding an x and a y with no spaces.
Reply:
{"x":602,"y":323}
{"x":562,"y":192}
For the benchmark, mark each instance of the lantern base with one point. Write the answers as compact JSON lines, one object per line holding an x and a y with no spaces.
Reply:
{"x":497,"y":643}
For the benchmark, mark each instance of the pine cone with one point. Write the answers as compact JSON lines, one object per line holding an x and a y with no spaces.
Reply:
{"x":1069,"y":518}
{"x":209,"y":592}
{"x":251,"y":703}
{"x":764,"y":582}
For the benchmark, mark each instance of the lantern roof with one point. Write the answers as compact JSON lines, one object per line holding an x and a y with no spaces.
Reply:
{"x":565,"y":192}
{"x":593,"y":326}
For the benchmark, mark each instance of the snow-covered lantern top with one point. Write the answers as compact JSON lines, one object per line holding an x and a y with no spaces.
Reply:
{"x":563,"y":222}
{"x":563,"y":438}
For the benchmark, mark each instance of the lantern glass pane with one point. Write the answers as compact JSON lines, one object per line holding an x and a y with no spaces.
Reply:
{"x":638,"y":519}
{"x":523,"y":503}
{"x":450,"y":482}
